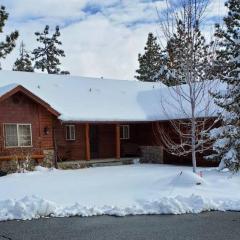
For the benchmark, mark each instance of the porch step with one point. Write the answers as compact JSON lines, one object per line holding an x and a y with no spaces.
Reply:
{"x":95,"y":163}
{"x":103,"y":164}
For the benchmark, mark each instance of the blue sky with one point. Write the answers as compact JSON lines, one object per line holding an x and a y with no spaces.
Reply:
{"x":100,"y":38}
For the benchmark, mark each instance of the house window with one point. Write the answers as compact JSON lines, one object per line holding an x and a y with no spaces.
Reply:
{"x":124,"y":132}
{"x":70,"y":132}
{"x":18,"y":135}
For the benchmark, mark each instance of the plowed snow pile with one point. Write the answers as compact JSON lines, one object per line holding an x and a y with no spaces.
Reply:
{"x":121,"y":190}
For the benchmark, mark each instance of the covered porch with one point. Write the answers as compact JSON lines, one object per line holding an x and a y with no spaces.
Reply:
{"x":101,"y":141}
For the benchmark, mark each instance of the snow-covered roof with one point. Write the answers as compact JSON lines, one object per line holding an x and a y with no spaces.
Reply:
{"x":7,"y":88}
{"x":88,"y":99}
{"x":96,"y":99}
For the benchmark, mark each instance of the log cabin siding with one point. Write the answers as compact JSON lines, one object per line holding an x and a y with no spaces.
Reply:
{"x":21,"y":109}
{"x":70,"y":149}
{"x":76,"y":149}
{"x":141,"y":134}
{"x":107,"y":141}
{"x":183,"y":160}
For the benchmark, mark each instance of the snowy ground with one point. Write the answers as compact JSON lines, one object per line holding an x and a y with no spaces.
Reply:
{"x":120,"y":190}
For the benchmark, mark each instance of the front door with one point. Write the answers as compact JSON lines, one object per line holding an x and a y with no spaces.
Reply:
{"x":94,"y":141}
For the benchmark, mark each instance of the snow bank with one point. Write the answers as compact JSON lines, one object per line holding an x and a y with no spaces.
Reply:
{"x":187,"y":179}
{"x":120,"y":190}
{"x":35,"y":207}
{"x":43,"y":169}
{"x":26,"y":208}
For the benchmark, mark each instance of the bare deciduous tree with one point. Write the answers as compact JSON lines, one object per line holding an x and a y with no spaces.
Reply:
{"x":188,"y":68}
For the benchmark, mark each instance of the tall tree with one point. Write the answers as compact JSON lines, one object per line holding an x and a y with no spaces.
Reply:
{"x":150,"y":61}
{"x":180,"y":54}
{"x":47,"y":56}
{"x":227,"y":64}
{"x":23,"y":63}
{"x":188,"y":63}
{"x":10,"y":42}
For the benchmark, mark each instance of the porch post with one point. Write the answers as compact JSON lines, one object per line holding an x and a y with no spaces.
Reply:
{"x":118,"y":141}
{"x":87,"y":142}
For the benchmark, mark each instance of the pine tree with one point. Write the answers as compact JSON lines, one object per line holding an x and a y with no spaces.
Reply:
{"x":47,"y":56}
{"x":179,"y":55}
{"x":150,"y":61}
{"x":23,"y":63}
{"x":227,"y":137}
{"x":10,"y":42}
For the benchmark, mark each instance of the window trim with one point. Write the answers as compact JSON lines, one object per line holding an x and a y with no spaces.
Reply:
{"x":68,"y":126}
{"x":18,"y":124}
{"x":123,"y":132}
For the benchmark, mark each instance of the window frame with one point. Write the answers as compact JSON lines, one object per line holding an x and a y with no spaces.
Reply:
{"x":69,"y":126}
{"x":122,"y":131}
{"x":18,"y":136}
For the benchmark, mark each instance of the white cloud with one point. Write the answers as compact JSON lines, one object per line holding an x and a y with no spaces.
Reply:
{"x":216,"y":8}
{"x":100,"y":38}
{"x":102,"y":48}
{"x":44,"y":8}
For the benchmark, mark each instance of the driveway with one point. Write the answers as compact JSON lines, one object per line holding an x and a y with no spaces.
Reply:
{"x":213,"y":225}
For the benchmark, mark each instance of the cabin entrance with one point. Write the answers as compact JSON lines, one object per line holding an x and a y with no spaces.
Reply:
{"x":94,"y":141}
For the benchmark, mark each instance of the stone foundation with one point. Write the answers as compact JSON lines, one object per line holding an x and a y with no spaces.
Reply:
{"x":11,"y":166}
{"x":72,"y":165}
{"x":151,"y":154}
{"x":48,"y":160}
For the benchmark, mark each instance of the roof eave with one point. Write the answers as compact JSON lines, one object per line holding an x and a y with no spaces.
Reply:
{"x":20,"y":88}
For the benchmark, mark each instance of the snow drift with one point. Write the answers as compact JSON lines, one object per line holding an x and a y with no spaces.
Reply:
{"x":35,"y":207}
{"x":121,"y":190}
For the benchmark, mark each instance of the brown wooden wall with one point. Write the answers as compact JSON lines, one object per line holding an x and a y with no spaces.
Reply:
{"x":70,"y":150}
{"x":141,"y":134}
{"x":182,"y":160}
{"x":21,"y":109}
{"x":146,"y":134}
{"x":76,"y":149}
{"x":107,"y":143}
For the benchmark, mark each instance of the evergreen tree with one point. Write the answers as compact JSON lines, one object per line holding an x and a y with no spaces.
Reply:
{"x":10,"y":42}
{"x":47,"y":56}
{"x":150,"y":61}
{"x":184,"y":49}
{"x":227,"y":137}
{"x":23,"y":63}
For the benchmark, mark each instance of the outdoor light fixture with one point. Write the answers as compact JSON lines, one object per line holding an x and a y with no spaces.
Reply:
{"x":46,"y":130}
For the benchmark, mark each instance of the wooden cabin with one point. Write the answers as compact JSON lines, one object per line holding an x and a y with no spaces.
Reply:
{"x":53,"y":118}
{"x":24,"y":119}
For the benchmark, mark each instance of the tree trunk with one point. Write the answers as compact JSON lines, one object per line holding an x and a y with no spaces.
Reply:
{"x":194,"y":160}
{"x":193,"y":134}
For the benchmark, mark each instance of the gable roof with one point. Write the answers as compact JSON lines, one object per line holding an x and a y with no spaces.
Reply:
{"x":89,"y":99}
{"x":104,"y":100}
{"x":9,"y":90}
